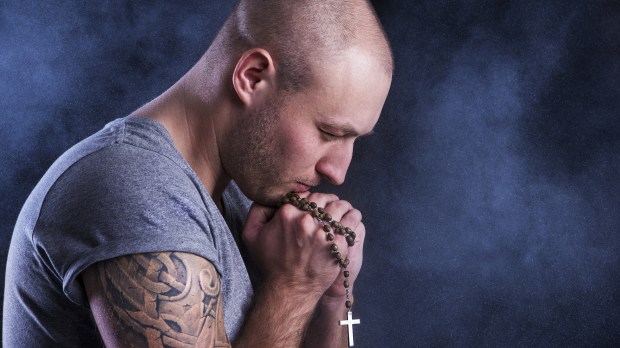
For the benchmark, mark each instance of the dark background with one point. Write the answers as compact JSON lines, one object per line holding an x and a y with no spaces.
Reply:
{"x":490,"y":189}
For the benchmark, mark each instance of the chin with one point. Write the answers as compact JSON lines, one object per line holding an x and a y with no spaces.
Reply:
{"x":270,"y":198}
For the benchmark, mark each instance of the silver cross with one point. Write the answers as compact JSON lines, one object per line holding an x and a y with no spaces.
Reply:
{"x":350,"y":323}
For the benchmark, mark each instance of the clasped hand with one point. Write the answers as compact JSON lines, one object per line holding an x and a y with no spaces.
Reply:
{"x":291,"y":249}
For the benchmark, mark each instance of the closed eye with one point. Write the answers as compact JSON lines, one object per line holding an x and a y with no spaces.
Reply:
{"x":328,"y":135}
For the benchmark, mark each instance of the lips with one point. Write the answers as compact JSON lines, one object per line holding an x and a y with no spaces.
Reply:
{"x":299,"y":187}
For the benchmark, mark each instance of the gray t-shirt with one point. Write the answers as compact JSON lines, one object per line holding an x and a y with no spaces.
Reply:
{"x":124,"y":190}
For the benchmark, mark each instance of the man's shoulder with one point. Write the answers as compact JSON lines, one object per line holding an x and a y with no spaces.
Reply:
{"x":127,"y":154}
{"x":121,"y":168}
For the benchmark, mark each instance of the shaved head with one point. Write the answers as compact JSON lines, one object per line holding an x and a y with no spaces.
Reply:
{"x":303,"y":34}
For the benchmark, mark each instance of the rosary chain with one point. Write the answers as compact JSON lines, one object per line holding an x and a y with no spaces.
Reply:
{"x":330,"y":226}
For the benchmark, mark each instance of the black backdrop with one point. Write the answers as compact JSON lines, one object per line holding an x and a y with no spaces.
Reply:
{"x":490,"y":189}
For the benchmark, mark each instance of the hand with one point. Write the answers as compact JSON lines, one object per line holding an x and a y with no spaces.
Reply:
{"x":290,"y":247}
{"x":350,"y":217}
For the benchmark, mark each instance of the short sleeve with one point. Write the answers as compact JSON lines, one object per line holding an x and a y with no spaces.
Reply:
{"x":117,"y":201}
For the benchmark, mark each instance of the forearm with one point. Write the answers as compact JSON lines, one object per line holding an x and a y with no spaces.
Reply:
{"x":279,"y":317}
{"x":325,"y":329}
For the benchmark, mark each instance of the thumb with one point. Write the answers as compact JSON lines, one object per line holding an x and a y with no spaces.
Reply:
{"x":257,"y":217}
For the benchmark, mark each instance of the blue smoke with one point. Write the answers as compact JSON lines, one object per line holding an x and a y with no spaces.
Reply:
{"x":489,"y":190}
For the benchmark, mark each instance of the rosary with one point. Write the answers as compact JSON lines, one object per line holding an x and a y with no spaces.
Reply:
{"x":330,"y":226}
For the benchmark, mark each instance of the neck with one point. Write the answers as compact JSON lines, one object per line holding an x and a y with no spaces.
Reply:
{"x":194,"y":122}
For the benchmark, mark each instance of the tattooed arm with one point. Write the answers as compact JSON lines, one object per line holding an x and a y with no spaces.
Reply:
{"x":164,"y":299}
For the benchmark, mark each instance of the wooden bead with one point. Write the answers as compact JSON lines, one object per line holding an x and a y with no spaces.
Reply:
{"x":330,"y":237}
{"x":321,"y":210}
{"x":327,"y":217}
{"x":350,"y":240}
{"x":346,"y":284}
{"x":326,"y":228}
{"x":313,"y":205}
{"x":334,"y":247}
{"x":348,"y":304}
{"x":346,"y":274}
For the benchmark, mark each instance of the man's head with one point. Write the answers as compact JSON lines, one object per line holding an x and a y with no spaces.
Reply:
{"x":309,"y":77}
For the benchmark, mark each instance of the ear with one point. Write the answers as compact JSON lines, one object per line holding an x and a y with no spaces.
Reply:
{"x":254,"y":75}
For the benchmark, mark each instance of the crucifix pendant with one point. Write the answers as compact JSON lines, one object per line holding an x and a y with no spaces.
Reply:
{"x":349,"y":322}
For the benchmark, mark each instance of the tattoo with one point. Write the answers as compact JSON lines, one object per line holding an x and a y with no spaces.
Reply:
{"x":165,"y":299}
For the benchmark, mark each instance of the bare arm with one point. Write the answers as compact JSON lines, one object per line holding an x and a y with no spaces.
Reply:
{"x":291,"y":250}
{"x":172,"y":299}
{"x":324,"y":330}
{"x":279,"y":318}
{"x":156,"y":300}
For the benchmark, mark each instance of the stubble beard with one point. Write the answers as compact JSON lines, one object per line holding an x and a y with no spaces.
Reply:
{"x":253,"y":155}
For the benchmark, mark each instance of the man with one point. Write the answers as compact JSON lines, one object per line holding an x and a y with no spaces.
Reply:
{"x":132,"y":238}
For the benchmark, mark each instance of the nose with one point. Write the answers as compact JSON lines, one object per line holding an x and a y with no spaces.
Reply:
{"x":334,"y":164}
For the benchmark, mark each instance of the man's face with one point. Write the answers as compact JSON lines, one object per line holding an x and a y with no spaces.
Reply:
{"x":292,"y":142}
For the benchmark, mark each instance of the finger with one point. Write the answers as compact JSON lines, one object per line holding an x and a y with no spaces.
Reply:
{"x":352,"y":218}
{"x":338,"y":209}
{"x":257,"y":217}
{"x":322,"y":199}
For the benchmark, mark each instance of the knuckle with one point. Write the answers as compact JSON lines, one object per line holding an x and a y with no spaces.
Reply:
{"x":353,"y":218}
{"x":341,"y":205}
{"x":323,"y":197}
{"x":288,"y":212}
{"x":356,"y":215}
{"x":307,"y":223}
{"x":332,"y":197}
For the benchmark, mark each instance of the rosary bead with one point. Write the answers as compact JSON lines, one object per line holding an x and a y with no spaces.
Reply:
{"x":321,"y":210}
{"x":330,"y":237}
{"x":326,"y":228}
{"x":286,"y":200}
{"x":315,"y":214}
{"x":348,"y":230}
{"x":338,"y":256}
{"x":313,"y":205}
{"x":336,"y":224}
{"x":352,"y":234}
{"x":334,"y":247}
{"x":350,"y":240}
{"x":346,"y":284}
{"x":346,"y":274}
{"x":348,"y":304}
{"x":327,"y":217}
{"x":341,"y":231}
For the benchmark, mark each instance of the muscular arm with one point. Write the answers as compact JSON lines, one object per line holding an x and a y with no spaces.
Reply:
{"x":279,"y":318}
{"x":166,"y":299}
{"x":324,"y":329}
{"x":172,"y":299}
